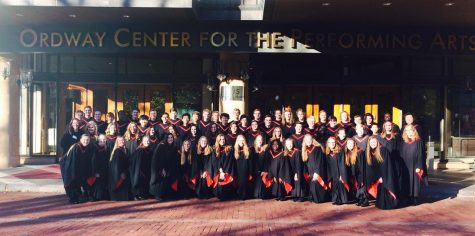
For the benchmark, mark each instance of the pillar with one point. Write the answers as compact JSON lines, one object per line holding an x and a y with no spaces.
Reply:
{"x":233,"y":93}
{"x":9,"y":106}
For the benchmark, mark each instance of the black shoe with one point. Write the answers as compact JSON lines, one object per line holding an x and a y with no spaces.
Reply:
{"x":300,"y":199}
{"x":338,"y":203}
{"x":358,"y":203}
{"x":415,"y":201}
{"x":365,"y":203}
{"x":294,"y":199}
{"x":159,"y":199}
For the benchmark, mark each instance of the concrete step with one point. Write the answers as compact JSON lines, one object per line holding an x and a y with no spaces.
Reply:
{"x":452,"y":164}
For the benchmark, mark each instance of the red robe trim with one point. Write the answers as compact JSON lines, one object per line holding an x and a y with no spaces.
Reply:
{"x":267,"y":182}
{"x":91,"y":180}
{"x":174,"y":186}
{"x":373,"y":189}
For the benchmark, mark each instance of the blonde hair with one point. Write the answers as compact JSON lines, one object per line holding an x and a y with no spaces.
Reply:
{"x":286,"y":151}
{"x":116,"y":146}
{"x":95,"y":135}
{"x":351,"y":155}
{"x":185,"y":156}
{"x":377,"y":152}
{"x":128,"y":135}
{"x":327,"y":147}
{"x":200,"y":150}
{"x":217,"y":147}
{"x":291,"y":122}
{"x":109,"y":126}
{"x":274,"y":135}
{"x":245,"y":148}
{"x":305,"y":148}
{"x":262,"y":148}
{"x":404,"y":134}
{"x":383,"y":130}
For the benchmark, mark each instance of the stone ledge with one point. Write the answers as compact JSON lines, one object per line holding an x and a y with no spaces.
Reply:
{"x":31,"y":188}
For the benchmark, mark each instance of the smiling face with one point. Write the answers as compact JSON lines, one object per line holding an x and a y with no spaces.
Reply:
{"x":388,"y":127}
{"x":75,"y":125}
{"x":221,"y":140}
{"x":409,"y":130}
{"x":120,"y":142}
{"x":101,"y":140}
{"x":298,"y":128}
{"x":203,"y":142}
{"x":91,"y":128}
{"x":146,"y":141}
{"x":87,"y":112}
{"x":259,"y":141}
{"x":85,"y":140}
{"x":350,"y":144}
{"x":331,"y":143}
{"x":254,"y":126}
{"x":373,"y":143}
{"x":275,"y":146}
{"x":170,"y":139}
{"x":97,"y":115}
{"x":186,"y":145}
{"x":193,"y":130}
{"x":289,"y":144}
{"x":240,"y":141}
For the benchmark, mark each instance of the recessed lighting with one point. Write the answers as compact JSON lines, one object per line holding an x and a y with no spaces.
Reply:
{"x":326,"y":4}
{"x":126,"y":16}
{"x":72,"y":15}
{"x":109,"y":63}
{"x":19,"y":14}
{"x":449,"y":4}
{"x":387,"y":4}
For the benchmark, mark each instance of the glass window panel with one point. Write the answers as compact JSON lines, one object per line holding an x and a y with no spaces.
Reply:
{"x":94,"y":64}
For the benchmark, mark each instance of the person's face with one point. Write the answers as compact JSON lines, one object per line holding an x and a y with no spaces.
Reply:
{"x":254,"y":126}
{"x":121,"y":142}
{"x":388,"y":127}
{"x":331,"y":143}
{"x":259,"y":141}
{"x":359,"y":130}
{"x":122,"y":116}
{"x":234,"y":128}
{"x":358,"y":120}
{"x":332,"y":123}
{"x":170,"y":139}
{"x":97,"y":115}
{"x":410,"y":132}
{"x":278,"y":132}
{"x":289,"y":145}
{"x":344,"y":117}
{"x":145,"y":141}
{"x":240,"y":141}
{"x":203,"y":142}
{"x":275,"y":146}
{"x":350,"y":144}
{"x":323,"y":116}
{"x":135,"y":114}
{"x":267,"y":121}
{"x":205,"y":116}
{"x":173,"y":115}
{"x":221,"y":140}
{"x":278,"y":114}
{"x":287,"y":115}
{"x":153,"y":115}
{"x":244,"y":122}
{"x":369,"y":120}
{"x":311,"y":122}
{"x":101,"y":141}
{"x":75,"y":125}
{"x":143,"y":122}
{"x":185,"y":119}
{"x":374,"y":129}
{"x":373,"y":143}
{"x":213,"y":128}
{"x":193,"y":130}
{"x":152,"y":131}
{"x":91,"y":129}
{"x":186,"y":146}
{"x":307,"y":141}
{"x":164,"y":118}
{"x":341,"y":134}
{"x":195,"y":117}
{"x":112,"y":129}
{"x":85,"y":141}
{"x":387,"y":117}
{"x":236,"y":114}
{"x":300,"y":115}
{"x":78,"y":115}
{"x":224,"y":120}
{"x":171,"y":130}
{"x":215,"y":117}
{"x":257,"y":115}
{"x":409,"y":119}
{"x":133,"y":129}
{"x":87,"y":112}
{"x":109,"y":119}
{"x":298,"y":128}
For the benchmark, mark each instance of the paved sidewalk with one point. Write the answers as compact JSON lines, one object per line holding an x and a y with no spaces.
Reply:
{"x":47,"y":179}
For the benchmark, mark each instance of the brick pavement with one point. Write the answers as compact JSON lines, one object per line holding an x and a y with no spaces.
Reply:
{"x":50,"y":214}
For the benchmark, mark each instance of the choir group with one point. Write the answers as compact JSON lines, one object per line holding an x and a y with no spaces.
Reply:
{"x":208,"y":154}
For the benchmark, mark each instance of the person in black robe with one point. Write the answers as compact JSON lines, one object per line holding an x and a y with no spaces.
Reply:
{"x":163,"y":127}
{"x":119,"y":178}
{"x":174,"y":120}
{"x":345,"y":122}
{"x":410,"y":120}
{"x":396,"y":128}
{"x":379,"y":176}
{"x":322,"y":125}
{"x":122,"y":122}
{"x":338,"y":173}
{"x":223,"y":125}
{"x":183,"y":129}
{"x":413,"y":154}
{"x":193,"y":136}
{"x":165,"y":170}
{"x":213,"y":132}
{"x":341,"y":137}
{"x":279,"y":171}
{"x":355,"y":159}
{"x":277,"y":121}
{"x":140,"y":171}
{"x":360,"y":138}
{"x":291,"y":152}
{"x":202,"y":162}
{"x":261,"y":159}
{"x":268,"y":129}
{"x":243,"y":126}
{"x":189,"y":172}
{"x":253,"y":133}
{"x":368,"y":122}
{"x":204,"y":124}
{"x":224,"y":169}
{"x":300,"y":117}
{"x":332,"y":129}
{"x":311,"y":128}
{"x":131,"y":137}
{"x":153,"y":139}
{"x":100,"y":169}
{"x":71,"y":136}
{"x":111,"y":135}
{"x":101,"y":125}
{"x":76,"y":170}
{"x":232,"y":135}
{"x":153,"y":121}
{"x":142,"y":128}
{"x":244,"y":168}
{"x":298,"y":135}
{"x":315,"y":169}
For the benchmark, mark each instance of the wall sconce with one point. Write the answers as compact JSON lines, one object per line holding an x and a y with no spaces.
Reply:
{"x":26,"y":77}
{"x":6,"y":71}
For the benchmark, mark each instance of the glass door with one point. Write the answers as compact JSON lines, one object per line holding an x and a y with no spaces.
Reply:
{"x":43,"y":119}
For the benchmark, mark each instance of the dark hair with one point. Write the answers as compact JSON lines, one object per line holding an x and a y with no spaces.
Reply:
{"x":332,"y":117}
{"x":143,"y":117}
{"x":186,"y":114}
{"x":224,"y":115}
{"x":242,"y":117}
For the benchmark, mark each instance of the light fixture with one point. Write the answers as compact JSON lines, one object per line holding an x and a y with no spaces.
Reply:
{"x":210,"y":87}
{"x":26,"y":77}
{"x":326,"y":4}
{"x":19,"y":14}
{"x":449,"y":4}
{"x":73,"y":15}
{"x":6,"y":71}
{"x":387,"y":4}
{"x":244,"y":76}
{"x":126,"y":16}
{"x":254,"y":89}
{"x":221,"y":77}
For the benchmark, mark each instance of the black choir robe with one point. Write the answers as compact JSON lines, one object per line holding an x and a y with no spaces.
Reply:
{"x":176,"y":122}
{"x":76,"y":171}
{"x":224,"y":188}
{"x":183,"y":132}
{"x":267,"y":132}
{"x":245,"y":178}
{"x":385,"y":192}
{"x":280,"y":173}
{"x":162,"y":131}
{"x":100,"y":170}
{"x":361,"y":142}
{"x":243,"y":130}
{"x":200,"y":164}
{"x":165,"y":171}
{"x":251,"y":136}
{"x":140,"y":171}
{"x":414,"y":157}
{"x":262,"y":181}
{"x":298,"y":139}
{"x":122,"y":125}
{"x":339,"y":180}
{"x":119,"y":178}
{"x":288,"y":130}
{"x":316,"y":164}
{"x":132,"y":144}
{"x":141,"y":132}
{"x":190,"y":173}
{"x":204,"y":128}
{"x":101,"y":126}
{"x":341,"y":143}
{"x":300,"y":185}
{"x":223,"y":129}
{"x":357,"y":177}
{"x":110,"y":141}
{"x":69,"y":139}
{"x":231,"y":139}
{"x":313,"y":132}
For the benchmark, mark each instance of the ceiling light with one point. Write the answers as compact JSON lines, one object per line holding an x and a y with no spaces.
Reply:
{"x":449,"y":4}
{"x":72,"y":15}
{"x":126,"y":16}
{"x":387,"y":4}
{"x":326,"y":4}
